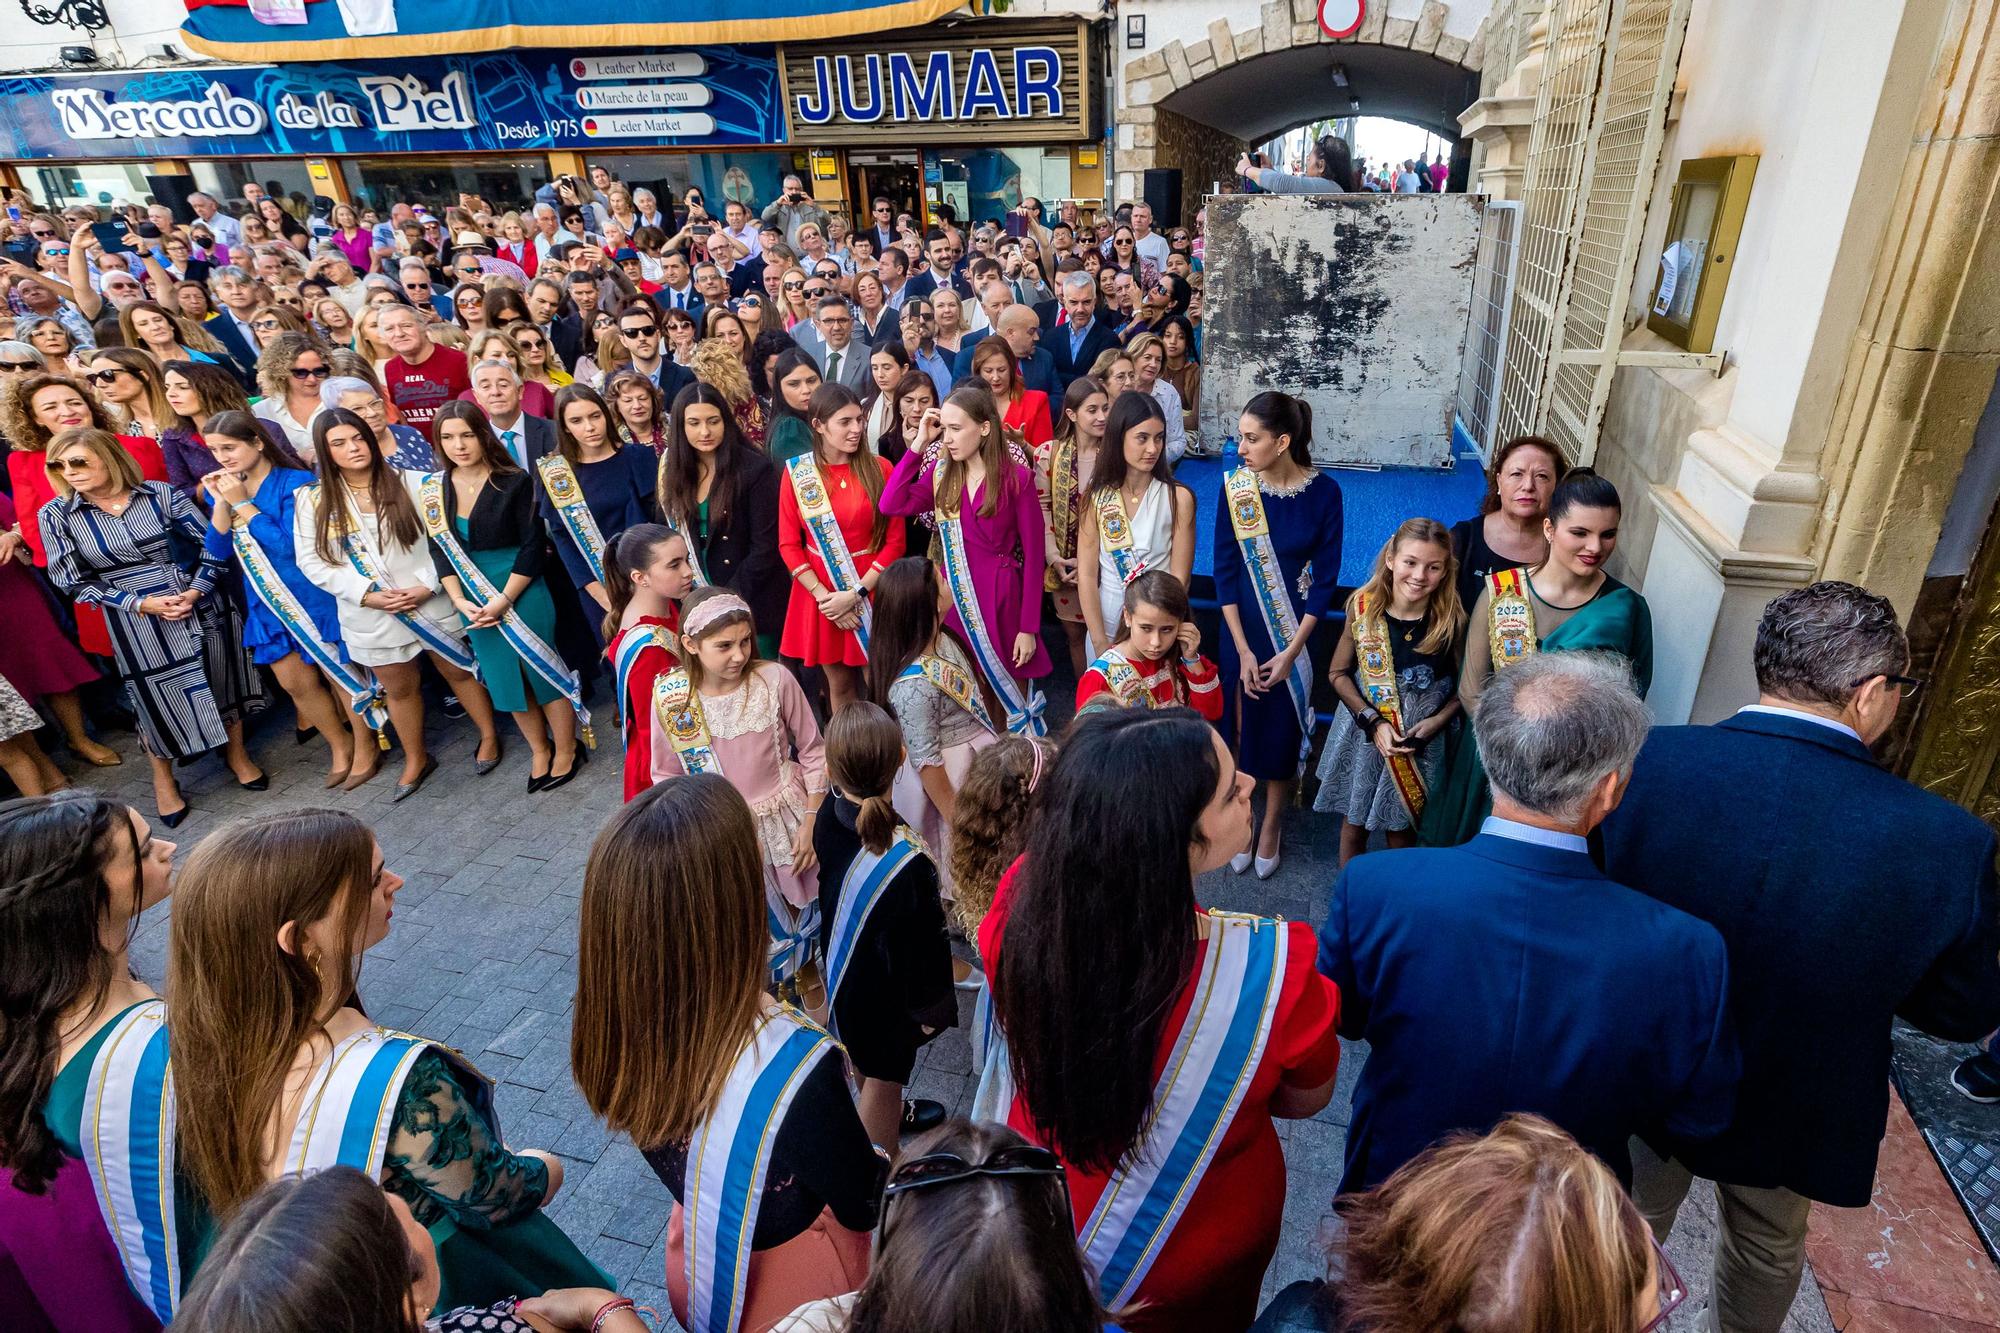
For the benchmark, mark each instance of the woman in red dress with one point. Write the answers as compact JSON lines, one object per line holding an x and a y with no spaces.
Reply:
{"x":33,"y":409}
{"x":1070,"y":964}
{"x":826,"y":613}
{"x":646,"y":573}
{"x":1021,"y":408}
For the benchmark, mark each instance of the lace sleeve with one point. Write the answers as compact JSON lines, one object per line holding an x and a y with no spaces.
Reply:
{"x":446,"y":1161}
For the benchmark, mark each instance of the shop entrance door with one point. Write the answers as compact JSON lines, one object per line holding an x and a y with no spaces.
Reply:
{"x":893,"y":175}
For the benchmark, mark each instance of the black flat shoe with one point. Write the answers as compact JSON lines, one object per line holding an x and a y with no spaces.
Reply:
{"x":408,"y":789}
{"x":920,"y":1114}
{"x":303,"y":734}
{"x":262,"y":782}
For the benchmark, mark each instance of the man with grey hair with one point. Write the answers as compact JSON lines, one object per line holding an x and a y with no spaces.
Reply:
{"x":1510,"y":974}
{"x":1847,"y":897}
{"x":1077,"y":337}
{"x":224,"y":227}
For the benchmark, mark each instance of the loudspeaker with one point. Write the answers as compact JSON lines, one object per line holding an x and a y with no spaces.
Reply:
{"x":173,"y":191}
{"x":1162,"y":190}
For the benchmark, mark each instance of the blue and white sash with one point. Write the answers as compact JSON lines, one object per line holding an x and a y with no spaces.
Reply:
{"x":633,"y":643}
{"x":794,"y":932}
{"x":864,"y":885}
{"x":128,"y":1146}
{"x":1024,"y":704}
{"x":364,"y":694}
{"x":816,"y":510}
{"x":581,"y":525}
{"x":1114,"y":534}
{"x":728,"y":1157}
{"x":1267,"y":580}
{"x":534,"y":653}
{"x":350,"y":1104}
{"x":1214,"y":1058}
{"x":1128,"y":687}
{"x":355,"y":543}
{"x":993,"y":1098}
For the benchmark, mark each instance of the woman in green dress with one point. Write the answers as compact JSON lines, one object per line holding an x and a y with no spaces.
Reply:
{"x":76,"y":870}
{"x":276,"y":1070}
{"x":1566,"y":604}
{"x":489,"y":503}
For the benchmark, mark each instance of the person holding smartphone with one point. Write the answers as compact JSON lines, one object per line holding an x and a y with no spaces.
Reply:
{"x":793,"y":208}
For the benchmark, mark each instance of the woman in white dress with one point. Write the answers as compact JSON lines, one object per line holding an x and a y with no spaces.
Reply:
{"x":1149,"y":363}
{"x":1133,"y":515}
{"x":359,"y":537}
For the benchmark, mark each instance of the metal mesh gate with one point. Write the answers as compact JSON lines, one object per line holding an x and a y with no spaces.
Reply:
{"x":1486,"y":334}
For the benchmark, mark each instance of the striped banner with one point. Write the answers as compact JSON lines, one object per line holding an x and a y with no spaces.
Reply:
{"x":128,"y":1141}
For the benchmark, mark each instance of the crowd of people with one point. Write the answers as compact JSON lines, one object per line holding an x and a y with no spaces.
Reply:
{"x":790,"y":499}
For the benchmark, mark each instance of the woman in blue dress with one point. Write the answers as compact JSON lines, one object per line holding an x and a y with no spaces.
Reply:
{"x":1277,"y":563}
{"x":256,"y":490}
{"x":592,"y":489}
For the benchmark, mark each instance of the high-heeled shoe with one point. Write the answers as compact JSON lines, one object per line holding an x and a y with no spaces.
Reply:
{"x":354,"y":780}
{"x":405,"y":790}
{"x":576,"y":764}
{"x":1239,"y":863}
{"x":335,"y":778}
{"x":1267,"y":866}
{"x":300,"y":735}
{"x":262,"y":782}
{"x":99,"y":756}
{"x":174,"y":820}
{"x":481,"y":767}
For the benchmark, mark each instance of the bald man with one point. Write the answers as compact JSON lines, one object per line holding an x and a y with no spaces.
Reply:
{"x":1022,"y":328}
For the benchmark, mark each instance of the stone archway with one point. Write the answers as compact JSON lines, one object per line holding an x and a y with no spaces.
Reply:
{"x":1161,"y":105}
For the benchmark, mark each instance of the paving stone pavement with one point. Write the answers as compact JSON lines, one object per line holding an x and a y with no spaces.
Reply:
{"x":482,"y":957}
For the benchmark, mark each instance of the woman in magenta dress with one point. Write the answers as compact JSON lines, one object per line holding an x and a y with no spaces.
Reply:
{"x":36,"y":657}
{"x":990,"y":499}
{"x":826,"y":619}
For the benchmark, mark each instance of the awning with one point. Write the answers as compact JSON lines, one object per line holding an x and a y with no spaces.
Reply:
{"x":289,"y":30}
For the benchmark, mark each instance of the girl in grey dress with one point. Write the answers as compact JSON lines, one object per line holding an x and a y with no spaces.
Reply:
{"x":1411,"y":602}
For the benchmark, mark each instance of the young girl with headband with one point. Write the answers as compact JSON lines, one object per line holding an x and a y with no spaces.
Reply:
{"x":888,"y":965}
{"x":1156,"y":661}
{"x":724,"y":711}
{"x":646,"y":573}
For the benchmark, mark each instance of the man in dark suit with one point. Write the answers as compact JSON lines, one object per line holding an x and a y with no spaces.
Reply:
{"x":1510,"y":974}
{"x":236,"y":291}
{"x":1023,"y":331}
{"x":497,"y":390}
{"x":882,"y":226}
{"x":1075,"y":344}
{"x":1848,"y":898}
{"x":564,"y":332}
{"x":939,"y":271}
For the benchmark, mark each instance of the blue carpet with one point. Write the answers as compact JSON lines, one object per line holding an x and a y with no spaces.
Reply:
{"x":1375,"y":503}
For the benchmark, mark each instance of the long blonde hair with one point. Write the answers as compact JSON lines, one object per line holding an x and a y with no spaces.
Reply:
{"x":242,"y":1007}
{"x":670,"y":957}
{"x":1445,"y":615}
{"x":715,"y":363}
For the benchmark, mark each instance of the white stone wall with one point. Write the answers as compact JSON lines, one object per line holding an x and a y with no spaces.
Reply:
{"x":135,"y":25}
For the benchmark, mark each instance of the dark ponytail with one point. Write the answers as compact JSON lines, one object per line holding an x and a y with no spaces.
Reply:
{"x":53,"y":850}
{"x":864,"y":750}
{"x":622,"y":554}
{"x":1582,"y":488}
{"x":1283,"y":414}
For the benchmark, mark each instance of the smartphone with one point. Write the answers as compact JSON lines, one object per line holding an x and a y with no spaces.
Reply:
{"x":13,"y":212}
{"x":570,"y":181}
{"x":701,"y":229}
{"x":111,"y":237}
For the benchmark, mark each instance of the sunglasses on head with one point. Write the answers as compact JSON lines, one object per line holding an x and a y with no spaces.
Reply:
{"x":314,"y":373}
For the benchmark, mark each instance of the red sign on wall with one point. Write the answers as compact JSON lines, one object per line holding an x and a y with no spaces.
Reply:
{"x":1341,"y":18}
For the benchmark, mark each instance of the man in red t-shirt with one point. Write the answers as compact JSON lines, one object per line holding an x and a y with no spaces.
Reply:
{"x":421,"y":377}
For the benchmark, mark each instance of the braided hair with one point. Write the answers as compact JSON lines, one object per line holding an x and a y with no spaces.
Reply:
{"x":53,"y":963}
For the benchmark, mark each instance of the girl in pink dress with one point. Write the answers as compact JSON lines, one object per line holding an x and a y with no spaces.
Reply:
{"x":996,"y":574}
{"x":723,"y":711}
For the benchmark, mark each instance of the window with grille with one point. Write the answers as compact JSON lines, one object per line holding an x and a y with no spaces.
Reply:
{"x":1486,"y":333}
{"x":1600,"y":114}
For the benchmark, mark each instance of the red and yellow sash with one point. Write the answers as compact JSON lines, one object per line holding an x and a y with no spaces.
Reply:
{"x":1376,"y":665}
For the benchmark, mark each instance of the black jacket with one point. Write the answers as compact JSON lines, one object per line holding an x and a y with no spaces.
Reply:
{"x":1846,"y":898}
{"x":504,"y":515}
{"x":566,"y":336}
{"x":742,"y":553}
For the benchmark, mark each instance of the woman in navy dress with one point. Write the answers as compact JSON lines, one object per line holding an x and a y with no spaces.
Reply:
{"x":617,"y":481}
{"x":1302,"y":509}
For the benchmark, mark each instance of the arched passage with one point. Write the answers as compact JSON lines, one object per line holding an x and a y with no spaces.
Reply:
{"x":1194,"y":107}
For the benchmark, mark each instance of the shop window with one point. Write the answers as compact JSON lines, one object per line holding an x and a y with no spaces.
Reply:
{"x":282,"y":177}
{"x":97,"y":183}
{"x":504,"y":182}
{"x":988,"y":182}
{"x":748,"y":178}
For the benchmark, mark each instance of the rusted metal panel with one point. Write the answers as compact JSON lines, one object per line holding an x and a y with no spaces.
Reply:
{"x":1358,"y":303}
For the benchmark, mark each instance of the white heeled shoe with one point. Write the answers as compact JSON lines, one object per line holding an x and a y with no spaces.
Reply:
{"x":1267,"y":867}
{"x":1239,"y":863}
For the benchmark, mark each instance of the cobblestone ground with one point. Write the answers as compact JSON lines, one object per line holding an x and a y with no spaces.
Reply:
{"x":482,"y":957}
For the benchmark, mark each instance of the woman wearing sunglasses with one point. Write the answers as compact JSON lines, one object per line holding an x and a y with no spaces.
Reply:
{"x":1522,"y":1228}
{"x":975,"y":1234}
{"x":677,"y":1044}
{"x":133,"y":389}
{"x":289,"y":375}
{"x":1070,"y":965}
